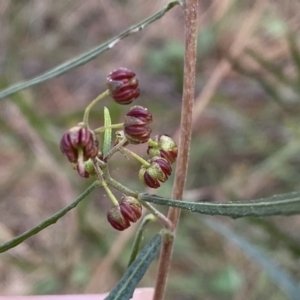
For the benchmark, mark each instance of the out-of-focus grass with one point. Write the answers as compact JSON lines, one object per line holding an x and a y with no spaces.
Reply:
{"x":244,"y":146}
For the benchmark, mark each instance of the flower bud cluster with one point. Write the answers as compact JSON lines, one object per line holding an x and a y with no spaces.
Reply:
{"x":81,"y":146}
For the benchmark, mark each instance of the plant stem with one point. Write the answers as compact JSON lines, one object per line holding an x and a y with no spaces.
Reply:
{"x":90,"y":106}
{"x":161,"y":218}
{"x":140,"y":159}
{"x":107,"y":180}
{"x":103,"y":128}
{"x":190,"y":23}
{"x":152,"y":143}
{"x":115,"y":149}
{"x":104,"y":184}
{"x":110,"y":194}
{"x":117,"y":185}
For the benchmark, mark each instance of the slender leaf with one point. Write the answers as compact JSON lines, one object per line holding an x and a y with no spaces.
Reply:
{"x":53,"y":219}
{"x":87,"y":56}
{"x":139,"y":237}
{"x":107,"y":132}
{"x":126,"y":286}
{"x":284,"y":204}
{"x":284,"y":281}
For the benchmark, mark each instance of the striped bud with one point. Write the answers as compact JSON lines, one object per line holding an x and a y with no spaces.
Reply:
{"x":163,"y":146}
{"x":157,"y":172}
{"x":128,"y":211}
{"x":78,"y":139}
{"x":135,"y":125}
{"x":131,"y":208}
{"x":116,"y":219}
{"x":123,"y":86}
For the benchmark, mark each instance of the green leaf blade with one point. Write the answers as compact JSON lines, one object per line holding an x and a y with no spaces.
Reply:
{"x":126,"y":286}
{"x":284,"y":204}
{"x":107,"y":132}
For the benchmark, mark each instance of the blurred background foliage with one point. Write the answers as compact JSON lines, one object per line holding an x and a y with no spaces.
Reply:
{"x":245,"y":140}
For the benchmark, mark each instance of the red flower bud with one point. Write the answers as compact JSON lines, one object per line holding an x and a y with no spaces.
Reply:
{"x":128,"y":211}
{"x":123,"y":86}
{"x":116,"y":219}
{"x":135,"y":125}
{"x":79,"y":138}
{"x":131,"y":208}
{"x":138,"y":115}
{"x":163,"y":146}
{"x":157,"y":172}
{"x":121,"y":74}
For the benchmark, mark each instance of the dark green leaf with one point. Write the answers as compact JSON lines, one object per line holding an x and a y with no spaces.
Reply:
{"x":284,"y":204}
{"x":126,"y":286}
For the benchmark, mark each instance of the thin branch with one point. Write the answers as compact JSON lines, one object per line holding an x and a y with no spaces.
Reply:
{"x":190,"y":23}
{"x":161,"y":218}
{"x":223,"y":67}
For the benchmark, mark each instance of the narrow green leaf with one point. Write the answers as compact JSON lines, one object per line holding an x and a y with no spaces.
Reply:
{"x":51,"y":220}
{"x":139,"y":237}
{"x":126,"y":286}
{"x":87,"y":56}
{"x":284,"y":204}
{"x":284,"y":281}
{"x":107,"y":132}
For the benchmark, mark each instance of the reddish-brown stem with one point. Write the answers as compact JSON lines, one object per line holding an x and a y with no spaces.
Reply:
{"x":190,"y":17}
